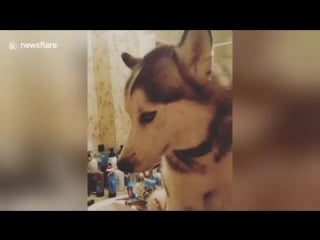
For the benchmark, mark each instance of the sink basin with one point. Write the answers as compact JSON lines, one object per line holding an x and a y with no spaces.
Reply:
{"x":112,"y":204}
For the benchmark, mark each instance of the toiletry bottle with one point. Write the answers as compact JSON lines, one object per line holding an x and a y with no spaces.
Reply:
{"x":120,"y":151}
{"x":103,"y":156}
{"x":154,"y":172}
{"x":112,"y":182}
{"x":98,"y":155}
{"x":154,"y":175}
{"x":104,"y":162}
{"x":157,"y":177}
{"x":130,"y":186}
{"x":92,"y":164}
{"x":120,"y":179}
{"x":141,"y":177}
{"x":112,"y":158}
{"x":99,"y":184}
{"x":92,"y":168}
{"x":126,"y":179}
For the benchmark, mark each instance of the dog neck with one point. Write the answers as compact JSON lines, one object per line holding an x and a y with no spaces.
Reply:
{"x":219,"y":136}
{"x":201,"y":150}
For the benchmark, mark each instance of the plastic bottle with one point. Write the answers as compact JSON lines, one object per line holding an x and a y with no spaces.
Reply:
{"x":120,"y":180}
{"x":120,"y":151}
{"x":112,"y":158}
{"x":130,"y":186}
{"x":103,"y":156}
{"x":92,"y":164}
{"x":92,"y":168}
{"x":126,"y":179}
{"x":119,"y":174}
{"x":99,"y":184}
{"x":157,"y":176}
{"x":112,"y":182}
{"x":104,"y":159}
{"x":97,"y":156}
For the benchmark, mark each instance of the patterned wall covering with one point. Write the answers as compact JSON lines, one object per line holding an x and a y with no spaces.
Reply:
{"x":100,"y":102}
{"x":108,"y":123}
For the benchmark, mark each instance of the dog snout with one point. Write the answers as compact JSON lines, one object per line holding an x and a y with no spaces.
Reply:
{"x":126,"y":165}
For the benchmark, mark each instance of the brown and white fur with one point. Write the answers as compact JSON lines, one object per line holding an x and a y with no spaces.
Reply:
{"x":183,"y":118}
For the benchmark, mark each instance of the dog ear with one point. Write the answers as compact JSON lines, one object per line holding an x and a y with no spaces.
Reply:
{"x":195,"y":51}
{"x":129,"y":60}
{"x":196,"y":44}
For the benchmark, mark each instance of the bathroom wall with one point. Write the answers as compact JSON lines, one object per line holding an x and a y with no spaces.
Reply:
{"x":108,"y":123}
{"x":100,"y":102}
{"x":139,"y":44}
{"x":223,"y":55}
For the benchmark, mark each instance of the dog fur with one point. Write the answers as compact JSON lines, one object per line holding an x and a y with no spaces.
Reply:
{"x":182,"y":117}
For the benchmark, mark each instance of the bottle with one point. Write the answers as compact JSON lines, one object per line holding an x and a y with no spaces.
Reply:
{"x":154,"y":172}
{"x":157,"y":177}
{"x":92,"y":164}
{"x":98,"y":156}
{"x":130,"y":185}
{"x":111,"y":181}
{"x":92,"y":168}
{"x":99,"y":184}
{"x":141,"y":177}
{"x":130,"y":189}
{"x":91,"y":183}
{"x":112,"y":158}
{"x":120,"y":180}
{"x":103,"y":156}
{"x":126,"y":179}
{"x":120,"y":151}
{"x":119,"y":174}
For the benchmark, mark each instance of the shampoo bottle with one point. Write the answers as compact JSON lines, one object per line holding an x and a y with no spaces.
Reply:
{"x":112,"y":182}
{"x":92,"y":168}
{"x":120,"y":180}
{"x":112,"y":158}
{"x":118,"y":174}
{"x":99,"y":184}
{"x":103,"y":156}
{"x":120,"y":151}
{"x":104,"y":163}
{"x":92,"y":164}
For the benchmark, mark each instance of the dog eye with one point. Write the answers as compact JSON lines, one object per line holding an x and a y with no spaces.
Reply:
{"x":147,"y":117}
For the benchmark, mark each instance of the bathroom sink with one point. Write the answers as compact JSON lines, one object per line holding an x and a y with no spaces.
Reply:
{"x":112,"y":204}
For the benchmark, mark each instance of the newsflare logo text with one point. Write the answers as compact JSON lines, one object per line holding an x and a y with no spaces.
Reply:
{"x":13,"y":45}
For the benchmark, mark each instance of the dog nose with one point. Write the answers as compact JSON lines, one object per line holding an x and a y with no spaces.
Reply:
{"x":125,"y":165}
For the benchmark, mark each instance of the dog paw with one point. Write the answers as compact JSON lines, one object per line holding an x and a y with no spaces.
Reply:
{"x":157,"y":200}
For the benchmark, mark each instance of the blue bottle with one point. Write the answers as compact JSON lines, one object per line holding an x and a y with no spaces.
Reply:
{"x":130,"y":186}
{"x":103,"y":159}
{"x":103,"y":156}
{"x":112,"y":181}
{"x":99,"y":184}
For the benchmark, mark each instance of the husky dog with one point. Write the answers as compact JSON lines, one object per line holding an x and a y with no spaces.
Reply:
{"x":182,"y":118}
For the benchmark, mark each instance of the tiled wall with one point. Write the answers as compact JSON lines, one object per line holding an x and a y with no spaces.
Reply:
{"x":108,"y":123}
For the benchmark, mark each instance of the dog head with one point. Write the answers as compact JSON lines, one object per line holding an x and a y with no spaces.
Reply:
{"x":165,"y":97}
